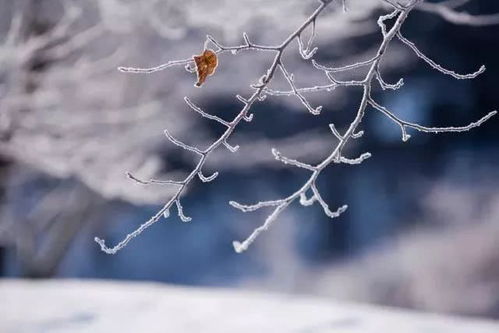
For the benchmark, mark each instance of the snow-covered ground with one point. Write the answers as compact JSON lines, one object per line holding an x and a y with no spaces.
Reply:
{"x":98,"y":306}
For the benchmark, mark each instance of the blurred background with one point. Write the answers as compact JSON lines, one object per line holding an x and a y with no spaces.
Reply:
{"x":422,"y":229}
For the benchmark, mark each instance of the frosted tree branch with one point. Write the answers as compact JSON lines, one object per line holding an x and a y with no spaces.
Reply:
{"x":358,"y":135}
{"x":278,"y":156}
{"x":153,"y":181}
{"x":204,"y":114}
{"x":303,"y":100}
{"x":308,"y":193}
{"x":208,"y":179}
{"x":222,"y":140}
{"x":183,"y":145}
{"x":305,"y":51}
{"x":180,"y":211}
{"x":357,"y":160}
{"x":337,"y":134}
{"x":272,"y":92}
{"x":335,"y":156}
{"x":388,"y":86}
{"x":345,"y":68}
{"x":325,"y":206}
{"x":435,"y":65}
{"x":251,"y":208}
{"x":405,"y":124}
{"x":189,"y":62}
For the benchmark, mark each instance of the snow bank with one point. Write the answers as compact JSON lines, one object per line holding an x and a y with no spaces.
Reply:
{"x":98,"y":306}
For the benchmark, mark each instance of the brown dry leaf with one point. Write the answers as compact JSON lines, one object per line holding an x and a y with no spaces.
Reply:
{"x":206,"y":63}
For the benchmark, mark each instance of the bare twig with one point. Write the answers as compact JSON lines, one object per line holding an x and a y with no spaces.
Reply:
{"x":303,"y":100}
{"x":405,"y":124}
{"x":436,"y":66}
